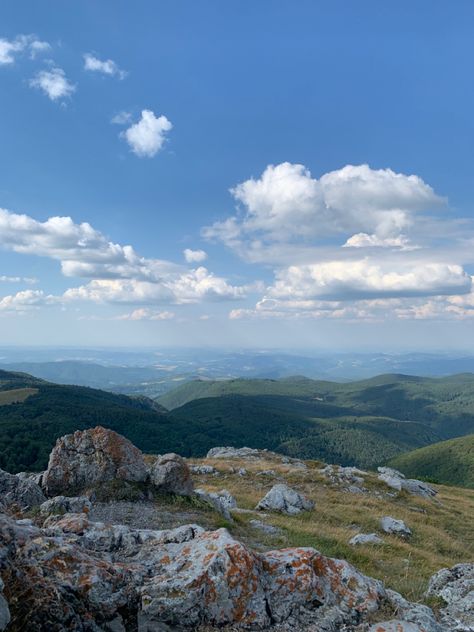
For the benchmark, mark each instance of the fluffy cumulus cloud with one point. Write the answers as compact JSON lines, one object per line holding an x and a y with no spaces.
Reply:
{"x":53,"y":83}
{"x":146,"y":137}
{"x":25,"y":300}
{"x":10,"y":49}
{"x":343,"y":280}
{"x":287,"y":204}
{"x":115,"y":272}
{"x":105,"y":67}
{"x":194,"y":256}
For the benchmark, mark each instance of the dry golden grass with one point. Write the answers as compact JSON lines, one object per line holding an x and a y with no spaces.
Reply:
{"x":442,"y":528}
{"x":16,"y":395}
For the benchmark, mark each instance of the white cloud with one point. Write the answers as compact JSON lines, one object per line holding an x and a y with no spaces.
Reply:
{"x":121,"y":118}
{"x":194,"y":256}
{"x":145,"y":313}
{"x":148,"y":136}
{"x":17,"y":279}
{"x":53,"y":83}
{"x":25,"y":300}
{"x":107,"y":67}
{"x":363,"y":240}
{"x":350,"y":280}
{"x":286,"y":204}
{"x":9,"y":49}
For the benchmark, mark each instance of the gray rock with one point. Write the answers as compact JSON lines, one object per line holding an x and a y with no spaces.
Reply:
{"x":396,"y":625}
{"x":4,"y":610}
{"x":395,"y":527}
{"x":456,"y":587}
{"x":222,"y":501}
{"x":36,"y":477}
{"x":234,"y":453}
{"x":89,"y":457}
{"x":286,"y":500}
{"x":170,"y":474}
{"x":267,"y":529}
{"x":66,"y":504}
{"x":203,"y":469}
{"x":396,"y":480}
{"x":23,"y":492}
{"x":242,"y":471}
{"x":365,"y":538}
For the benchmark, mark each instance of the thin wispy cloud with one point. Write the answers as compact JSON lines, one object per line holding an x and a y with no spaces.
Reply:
{"x":53,"y":83}
{"x":105,"y":67}
{"x":10,"y":49}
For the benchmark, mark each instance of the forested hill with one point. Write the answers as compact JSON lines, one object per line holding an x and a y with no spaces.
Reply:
{"x":359,"y":423}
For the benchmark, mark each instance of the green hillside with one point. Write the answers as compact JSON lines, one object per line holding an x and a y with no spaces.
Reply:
{"x":448,"y":462}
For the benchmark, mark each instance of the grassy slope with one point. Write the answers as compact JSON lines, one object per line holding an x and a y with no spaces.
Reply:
{"x":450,"y":462}
{"x":442,"y":528}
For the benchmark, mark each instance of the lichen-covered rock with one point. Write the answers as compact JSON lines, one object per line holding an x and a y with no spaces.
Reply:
{"x":22,"y":492}
{"x":365,"y":538}
{"x":456,"y":587}
{"x":395,"y":527}
{"x":66,"y":504}
{"x":415,"y":614}
{"x":170,"y":474}
{"x":88,"y":457}
{"x":395,"y":625}
{"x":87,"y":576}
{"x":286,"y":500}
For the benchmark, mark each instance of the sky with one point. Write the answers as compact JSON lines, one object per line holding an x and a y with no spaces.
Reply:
{"x":288,"y":174}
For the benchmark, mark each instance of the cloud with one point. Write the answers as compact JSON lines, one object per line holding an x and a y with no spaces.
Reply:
{"x":194,"y":256}
{"x":17,"y":279}
{"x":53,"y":83}
{"x":117,"y":273}
{"x":25,"y":300}
{"x":107,"y":67}
{"x":144,"y":313}
{"x":121,"y":118}
{"x":9,"y":49}
{"x":363,"y":240}
{"x":350,"y":280}
{"x":286,"y":204}
{"x":148,"y":136}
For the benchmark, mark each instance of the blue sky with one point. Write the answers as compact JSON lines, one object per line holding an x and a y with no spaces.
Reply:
{"x":288,"y":174}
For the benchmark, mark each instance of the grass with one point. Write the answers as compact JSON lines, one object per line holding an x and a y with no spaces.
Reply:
{"x":16,"y":395}
{"x":442,"y":528}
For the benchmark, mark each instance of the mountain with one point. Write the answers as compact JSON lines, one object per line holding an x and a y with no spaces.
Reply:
{"x":448,"y":462}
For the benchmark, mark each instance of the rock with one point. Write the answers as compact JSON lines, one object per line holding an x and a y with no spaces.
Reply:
{"x":66,"y":504}
{"x":396,"y":480}
{"x":87,"y":576}
{"x":4,"y":611}
{"x":89,"y":457}
{"x":267,"y":529}
{"x":22,"y":492}
{"x":171,"y":475}
{"x":286,"y":500}
{"x":395,"y":625}
{"x":222,"y":501}
{"x":36,"y":477}
{"x":203,"y":469}
{"x":365,"y":538}
{"x":234,"y":453}
{"x":395,"y":527}
{"x":343,"y":475}
{"x":456,"y":587}
{"x":242,"y":471}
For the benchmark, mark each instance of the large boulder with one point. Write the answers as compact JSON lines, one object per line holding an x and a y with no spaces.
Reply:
{"x":66,"y":504}
{"x":170,"y":474}
{"x":222,"y":501}
{"x":89,"y":457}
{"x":455,"y":586}
{"x":22,"y":492}
{"x":286,"y":500}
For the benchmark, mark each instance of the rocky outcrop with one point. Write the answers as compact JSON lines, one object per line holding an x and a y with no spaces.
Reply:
{"x":235,"y":453}
{"x":395,"y":527}
{"x":455,"y":586}
{"x":222,"y":501}
{"x":396,"y":480}
{"x":4,"y":610}
{"x":170,"y":474}
{"x":66,"y":504}
{"x":20,"y":492}
{"x":286,"y":500}
{"x":365,"y":538}
{"x":89,"y":457}
{"x":79,"y":575}
{"x":203,"y":469}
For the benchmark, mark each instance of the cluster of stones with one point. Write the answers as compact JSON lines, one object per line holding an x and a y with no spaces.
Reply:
{"x":67,"y":572}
